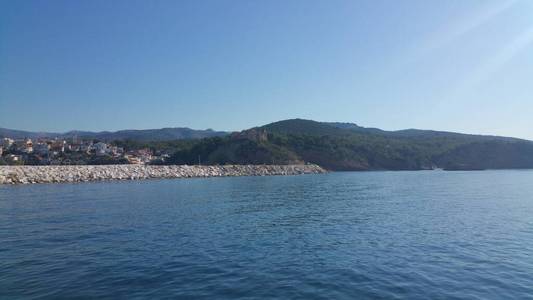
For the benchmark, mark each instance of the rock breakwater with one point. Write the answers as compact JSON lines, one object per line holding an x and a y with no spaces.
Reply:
{"x":59,"y":174}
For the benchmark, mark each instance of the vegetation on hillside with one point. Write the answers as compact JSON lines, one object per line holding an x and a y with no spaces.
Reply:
{"x":353,"y":148}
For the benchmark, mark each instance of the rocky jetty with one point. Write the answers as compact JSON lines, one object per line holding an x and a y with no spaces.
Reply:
{"x":59,"y":174}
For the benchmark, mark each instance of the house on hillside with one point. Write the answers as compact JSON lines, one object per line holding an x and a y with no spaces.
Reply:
{"x":141,"y":156}
{"x":12,"y":158}
{"x":115,"y":151}
{"x":24,"y":146}
{"x":100,"y":148}
{"x":58,"y":146}
{"x":86,"y":147}
{"x":7,"y":143}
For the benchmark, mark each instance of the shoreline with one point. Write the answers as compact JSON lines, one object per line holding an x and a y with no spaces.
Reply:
{"x":10,"y":175}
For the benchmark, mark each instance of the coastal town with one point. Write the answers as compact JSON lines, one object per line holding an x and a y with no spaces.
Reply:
{"x":73,"y":151}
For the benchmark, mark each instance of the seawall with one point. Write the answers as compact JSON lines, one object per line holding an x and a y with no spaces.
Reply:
{"x":61,"y":174}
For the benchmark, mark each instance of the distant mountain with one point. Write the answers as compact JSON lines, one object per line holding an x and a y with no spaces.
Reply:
{"x":20,"y":134}
{"x":345,"y":146}
{"x":163,"y":134}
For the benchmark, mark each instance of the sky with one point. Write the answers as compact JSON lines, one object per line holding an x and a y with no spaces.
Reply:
{"x":454,"y":65}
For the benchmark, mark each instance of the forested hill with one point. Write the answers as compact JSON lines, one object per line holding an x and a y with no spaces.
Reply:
{"x":162,"y":134}
{"x":346,"y":146}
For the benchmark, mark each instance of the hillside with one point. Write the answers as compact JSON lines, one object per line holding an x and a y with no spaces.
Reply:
{"x":350,"y":147}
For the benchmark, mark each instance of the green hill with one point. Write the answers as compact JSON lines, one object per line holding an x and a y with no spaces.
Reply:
{"x":341,"y":146}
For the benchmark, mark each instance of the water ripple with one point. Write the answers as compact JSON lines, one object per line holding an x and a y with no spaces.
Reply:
{"x":378,"y":235}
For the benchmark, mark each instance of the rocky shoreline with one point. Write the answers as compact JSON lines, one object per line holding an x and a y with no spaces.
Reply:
{"x":84,"y":173}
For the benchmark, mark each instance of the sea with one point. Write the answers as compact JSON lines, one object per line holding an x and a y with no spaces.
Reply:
{"x":341,"y":235}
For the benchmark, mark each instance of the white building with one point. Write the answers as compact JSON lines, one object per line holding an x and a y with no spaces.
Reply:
{"x":25,"y":146}
{"x":100,"y":148}
{"x":86,"y":147}
{"x":13,"y":158}
{"x":7,"y":143}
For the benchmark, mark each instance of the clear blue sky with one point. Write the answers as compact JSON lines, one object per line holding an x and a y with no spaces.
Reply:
{"x":454,"y":65}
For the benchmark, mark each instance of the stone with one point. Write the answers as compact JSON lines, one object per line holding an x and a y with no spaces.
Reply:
{"x":80,"y":173}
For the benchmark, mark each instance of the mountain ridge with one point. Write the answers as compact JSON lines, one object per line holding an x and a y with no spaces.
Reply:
{"x":161,"y":134}
{"x":352,"y":148}
{"x":158,"y":134}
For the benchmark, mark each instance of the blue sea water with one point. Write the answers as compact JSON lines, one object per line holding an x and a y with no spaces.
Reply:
{"x":373,"y":235}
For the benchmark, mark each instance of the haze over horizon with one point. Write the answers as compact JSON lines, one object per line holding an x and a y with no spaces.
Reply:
{"x":230,"y":65}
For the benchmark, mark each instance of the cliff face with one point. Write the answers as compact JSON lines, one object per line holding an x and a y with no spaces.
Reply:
{"x":58,"y":174}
